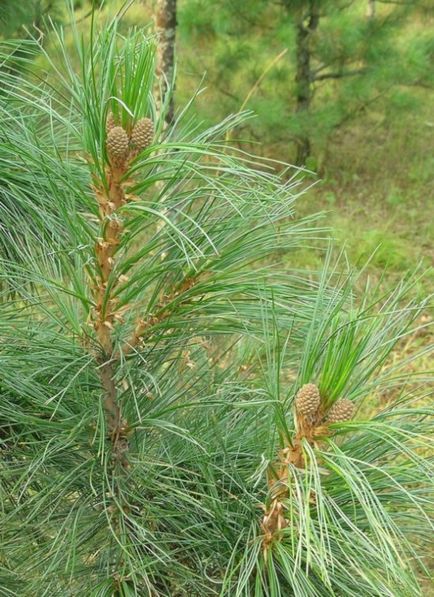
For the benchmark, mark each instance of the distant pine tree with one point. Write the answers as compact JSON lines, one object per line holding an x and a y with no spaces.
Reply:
{"x":342,"y":57}
{"x":17,"y":16}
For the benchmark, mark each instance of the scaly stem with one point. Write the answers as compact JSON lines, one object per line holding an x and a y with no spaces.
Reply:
{"x":274,"y":519}
{"x":166,"y":31}
{"x":104,"y":315}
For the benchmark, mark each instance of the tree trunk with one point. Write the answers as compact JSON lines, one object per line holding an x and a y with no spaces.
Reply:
{"x":303,"y":78}
{"x":166,"y":31}
{"x":370,"y":12}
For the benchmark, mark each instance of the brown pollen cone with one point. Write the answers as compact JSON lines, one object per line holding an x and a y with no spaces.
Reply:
{"x":142,"y":134}
{"x":117,"y":146}
{"x":341,"y":411}
{"x":307,"y":401}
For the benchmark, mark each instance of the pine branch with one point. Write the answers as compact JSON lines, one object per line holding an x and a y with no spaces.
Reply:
{"x":339,"y":75}
{"x":161,"y":312}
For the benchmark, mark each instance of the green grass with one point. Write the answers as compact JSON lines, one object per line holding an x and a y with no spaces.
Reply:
{"x":378,"y":189}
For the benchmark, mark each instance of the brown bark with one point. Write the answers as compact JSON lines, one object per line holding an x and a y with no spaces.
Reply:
{"x":292,"y":455}
{"x":165,"y":22}
{"x":111,"y":195}
{"x":371,"y":9}
{"x":306,"y":26}
{"x":105,"y":307}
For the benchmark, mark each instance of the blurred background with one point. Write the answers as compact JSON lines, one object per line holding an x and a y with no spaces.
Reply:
{"x":342,"y":87}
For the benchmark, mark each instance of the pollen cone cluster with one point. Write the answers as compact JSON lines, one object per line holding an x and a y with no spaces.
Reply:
{"x":117,"y":146}
{"x":142,"y":134}
{"x":307,"y":400}
{"x":342,"y":410}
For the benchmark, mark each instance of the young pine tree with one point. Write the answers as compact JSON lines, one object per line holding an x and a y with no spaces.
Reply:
{"x":307,"y":67}
{"x":177,"y":415}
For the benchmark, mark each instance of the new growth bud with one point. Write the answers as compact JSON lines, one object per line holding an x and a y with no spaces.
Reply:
{"x":110,"y":122}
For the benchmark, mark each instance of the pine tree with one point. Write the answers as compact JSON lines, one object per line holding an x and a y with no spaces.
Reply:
{"x":138,"y":255}
{"x":168,"y":417}
{"x":337,"y":63}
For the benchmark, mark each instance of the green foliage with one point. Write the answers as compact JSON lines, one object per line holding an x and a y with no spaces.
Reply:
{"x":356,"y":63}
{"x":16,"y":16}
{"x":208,"y":393}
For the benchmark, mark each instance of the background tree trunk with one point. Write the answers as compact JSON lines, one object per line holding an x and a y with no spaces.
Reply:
{"x":370,"y":12}
{"x":165,"y":19}
{"x":303,"y":78}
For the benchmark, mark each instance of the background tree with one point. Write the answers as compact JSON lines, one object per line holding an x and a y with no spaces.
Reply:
{"x":165,"y":25}
{"x":306,"y":25}
{"x":339,"y":62}
{"x":14,"y":16}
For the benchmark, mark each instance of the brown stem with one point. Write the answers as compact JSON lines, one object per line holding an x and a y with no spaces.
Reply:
{"x":105,"y":306}
{"x":274,"y":519}
{"x":106,"y":311}
{"x":306,"y":26}
{"x":110,"y":395}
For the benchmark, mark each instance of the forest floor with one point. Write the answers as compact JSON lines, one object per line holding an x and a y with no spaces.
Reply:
{"x":378,"y":190}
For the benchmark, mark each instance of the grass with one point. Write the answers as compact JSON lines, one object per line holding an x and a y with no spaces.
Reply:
{"x":378,"y":187}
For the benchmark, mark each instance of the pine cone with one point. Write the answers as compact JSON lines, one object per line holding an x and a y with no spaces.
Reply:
{"x":307,"y":400}
{"x":110,"y":122}
{"x":342,"y":410}
{"x":117,"y":146}
{"x":143,"y":134}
